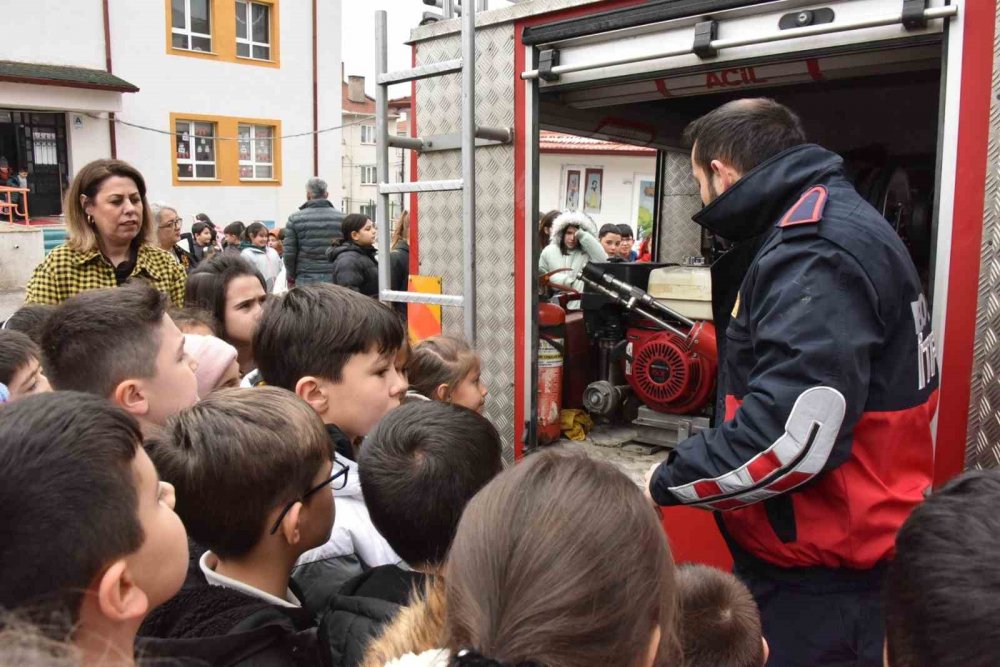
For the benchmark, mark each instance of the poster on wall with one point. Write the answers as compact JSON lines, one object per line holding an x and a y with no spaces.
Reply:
{"x":572,"y":190}
{"x":594,"y":184}
{"x":644,"y":208}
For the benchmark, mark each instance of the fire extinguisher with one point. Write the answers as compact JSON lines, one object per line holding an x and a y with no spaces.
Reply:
{"x":551,"y":345}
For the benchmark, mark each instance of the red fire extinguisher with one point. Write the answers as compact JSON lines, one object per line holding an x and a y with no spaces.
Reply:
{"x":551,"y":344}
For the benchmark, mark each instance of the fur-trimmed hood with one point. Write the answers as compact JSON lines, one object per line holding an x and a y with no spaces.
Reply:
{"x":574,"y":218}
{"x":417,"y":628}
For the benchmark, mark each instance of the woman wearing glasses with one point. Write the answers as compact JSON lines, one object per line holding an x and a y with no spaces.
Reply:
{"x":168,"y":233}
{"x":111,"y":237}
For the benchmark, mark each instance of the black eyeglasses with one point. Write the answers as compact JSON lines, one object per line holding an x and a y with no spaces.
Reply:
{"x":337,"y":481}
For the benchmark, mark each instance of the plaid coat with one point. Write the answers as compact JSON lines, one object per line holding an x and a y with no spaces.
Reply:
{"x":66,"y":272}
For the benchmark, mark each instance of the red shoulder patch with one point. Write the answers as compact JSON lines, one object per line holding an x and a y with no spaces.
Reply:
{"x":808,"y":209}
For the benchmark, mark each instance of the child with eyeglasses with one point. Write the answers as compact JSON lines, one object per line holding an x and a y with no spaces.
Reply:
{"x":253,"y":469}
{"x":336,"y":349}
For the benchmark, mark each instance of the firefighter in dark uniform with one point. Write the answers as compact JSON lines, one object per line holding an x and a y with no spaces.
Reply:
{"x":827,"y":386}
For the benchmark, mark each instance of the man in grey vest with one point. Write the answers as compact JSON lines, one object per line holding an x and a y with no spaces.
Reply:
{"x":308,"y":234}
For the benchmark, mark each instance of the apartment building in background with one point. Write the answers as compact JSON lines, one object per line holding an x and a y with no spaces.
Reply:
{"x":358,"y":175}
{"x":199,"y":95}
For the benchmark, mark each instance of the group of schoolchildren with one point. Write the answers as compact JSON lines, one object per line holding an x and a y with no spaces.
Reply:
{"x":352,"y":507}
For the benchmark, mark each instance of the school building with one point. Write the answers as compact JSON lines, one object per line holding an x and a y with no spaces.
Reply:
{"x":200,"y":95}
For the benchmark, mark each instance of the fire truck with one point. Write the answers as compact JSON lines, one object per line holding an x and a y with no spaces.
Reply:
{"x":904,"y":90}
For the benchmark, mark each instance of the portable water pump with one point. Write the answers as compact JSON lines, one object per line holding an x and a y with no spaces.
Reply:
{"x":670,"y":360}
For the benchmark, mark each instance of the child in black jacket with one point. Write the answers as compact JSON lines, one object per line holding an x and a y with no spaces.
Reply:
{"x":253,"y":470}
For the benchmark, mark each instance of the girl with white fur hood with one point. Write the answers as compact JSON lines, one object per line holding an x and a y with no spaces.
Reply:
{"x":572,"y":244}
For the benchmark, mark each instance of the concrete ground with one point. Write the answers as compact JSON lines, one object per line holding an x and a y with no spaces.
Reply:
{"x":613,"y":444}
{"x":10,"y":300}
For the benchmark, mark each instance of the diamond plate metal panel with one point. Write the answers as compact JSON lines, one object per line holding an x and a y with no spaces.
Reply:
{"x":983,"y":444}
{"x":438,"y":102}
{"x":679,"y":237}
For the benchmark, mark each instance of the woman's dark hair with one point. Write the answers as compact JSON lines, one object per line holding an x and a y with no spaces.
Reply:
{"x":235,"y":229}
{"x":545,"y":236}
{"x":201,"y":217}
{"x":252,"y":230}
{"x":541,"y":571}
{"x":209,"y":281}
{"x":199,"y":227}
{"x":354,"y":222}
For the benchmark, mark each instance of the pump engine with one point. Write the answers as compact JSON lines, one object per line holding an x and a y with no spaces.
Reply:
{"x":665,"y":372}
{"x":669,"y":359}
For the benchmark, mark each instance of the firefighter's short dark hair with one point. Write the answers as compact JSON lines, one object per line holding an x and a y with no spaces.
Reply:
{"x":941,"y":600}
{"x":744,"y":133}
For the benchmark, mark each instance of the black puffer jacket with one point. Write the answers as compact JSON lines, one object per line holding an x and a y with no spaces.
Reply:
{"x":355,"y":267}
{"x":363,"y":607}
{"x":308,"y":234}
{"x":400,"y":261}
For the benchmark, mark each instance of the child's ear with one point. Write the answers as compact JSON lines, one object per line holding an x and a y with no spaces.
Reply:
{"x":131,"y":395}
{"x":767,"y":652}
{"x":441,"y":393}
{"x":311,"y":390}
{"x":289,"y":528}
{"x":118,"y":596}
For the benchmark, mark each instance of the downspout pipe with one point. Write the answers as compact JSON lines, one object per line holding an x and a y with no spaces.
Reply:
{"x":112,"y":135}
{"x":315,"y":86}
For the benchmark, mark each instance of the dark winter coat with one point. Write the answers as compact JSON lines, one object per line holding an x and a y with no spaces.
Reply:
{"x":355,"y":267}
{"x":222,"y":627}
{"x":363,"y":606}
{"x":308,"y":234}
{"x":399,"y":260}
{"x":827,"y":375}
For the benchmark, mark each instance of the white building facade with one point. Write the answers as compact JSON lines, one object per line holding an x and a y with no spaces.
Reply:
{"x":205,"y":93}
{"x":358,"y":175}
{"x":610,"y":182}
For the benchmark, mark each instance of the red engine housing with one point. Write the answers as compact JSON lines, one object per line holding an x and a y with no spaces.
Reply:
{"x":665,"y":371}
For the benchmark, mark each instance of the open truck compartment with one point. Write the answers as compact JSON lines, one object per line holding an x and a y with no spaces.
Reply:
{"x":900,"y":89}
{"x":875,"y":104}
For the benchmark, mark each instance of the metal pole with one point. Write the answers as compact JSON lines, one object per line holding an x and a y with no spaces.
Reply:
{"x":469,"y":166}
{"x":382,"y":151}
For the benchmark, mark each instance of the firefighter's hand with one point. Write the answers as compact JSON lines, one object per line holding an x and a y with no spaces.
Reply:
{"x":647,"y":480}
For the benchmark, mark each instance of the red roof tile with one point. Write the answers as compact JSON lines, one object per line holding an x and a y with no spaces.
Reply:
{"x":557,"y":142}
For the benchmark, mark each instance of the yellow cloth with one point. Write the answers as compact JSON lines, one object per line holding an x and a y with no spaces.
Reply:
{"x":575,"y":424}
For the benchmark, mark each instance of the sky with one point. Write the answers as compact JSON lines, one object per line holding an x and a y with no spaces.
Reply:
{"x":358,"y":30}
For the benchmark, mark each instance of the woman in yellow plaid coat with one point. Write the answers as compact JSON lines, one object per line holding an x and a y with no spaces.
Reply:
{"x":111,"y":238}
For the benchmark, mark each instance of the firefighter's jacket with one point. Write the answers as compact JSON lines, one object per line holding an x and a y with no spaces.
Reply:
{"x":827,"y":374}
